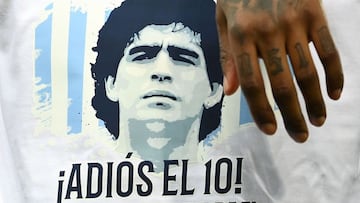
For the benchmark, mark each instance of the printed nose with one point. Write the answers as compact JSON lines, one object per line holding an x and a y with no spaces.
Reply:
{"x":161,"y":78}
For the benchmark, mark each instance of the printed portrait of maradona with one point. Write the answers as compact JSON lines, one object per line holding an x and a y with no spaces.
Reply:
{"x":157,"y":76}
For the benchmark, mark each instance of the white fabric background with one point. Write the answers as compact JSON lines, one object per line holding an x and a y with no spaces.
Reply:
{"x":326,"y":168}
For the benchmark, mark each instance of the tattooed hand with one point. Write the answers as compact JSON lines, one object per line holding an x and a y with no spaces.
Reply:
{"x":273,"y":30}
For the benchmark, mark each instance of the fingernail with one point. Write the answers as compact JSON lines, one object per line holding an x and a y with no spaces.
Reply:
{"x":317,"y":121}
{"x":336,"y":94}
{"x":226,"y":85}
{"x":268,"y":128}
{"x":229,"y":87}
{"x":299,"y":137}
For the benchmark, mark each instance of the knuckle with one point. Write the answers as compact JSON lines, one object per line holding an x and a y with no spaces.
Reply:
{"x":262,"y":26}
{"x":240,"y":30}
{"x":307,"y":79}
{"x":317,"y":108}
{"x":310,"y":11}
{"x":295,"y":124}
{"x":251,"y":88}
{"x":283,"y":93}
{"x":330,"y":55}
{"x":262,"y":114}
{"x":266,"y":26}
{"x":290,"y":18}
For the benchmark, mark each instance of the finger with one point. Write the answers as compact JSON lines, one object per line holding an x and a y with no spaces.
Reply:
{"x":329,"y":57}
{"x":251,"y":82}
{"x":283,"y":88}
{"x":306,"y":76}
{"x":231,"y":82}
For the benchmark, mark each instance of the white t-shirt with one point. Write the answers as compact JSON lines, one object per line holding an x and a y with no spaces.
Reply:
{"x":53,"y":148}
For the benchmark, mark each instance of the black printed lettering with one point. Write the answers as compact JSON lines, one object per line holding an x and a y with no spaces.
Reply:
{"x":120,"y":177}
{"x":99,"y":169}
{"x":74,"y":175}
{"x":168,"y":178}
{"x":146,"y":179}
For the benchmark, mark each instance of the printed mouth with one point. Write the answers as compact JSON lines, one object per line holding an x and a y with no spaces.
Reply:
{"x":164,"y":94}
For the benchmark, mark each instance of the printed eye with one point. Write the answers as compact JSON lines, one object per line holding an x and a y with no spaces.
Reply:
{"x":183,"y":55}
{"x":141,"y":53}
{"x":185,"y":58}
{"x":141,"y":56}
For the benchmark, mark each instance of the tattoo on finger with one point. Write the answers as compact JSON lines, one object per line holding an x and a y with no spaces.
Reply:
{"x":284,"y":4}
{"x":224,"y":56}
{"x":275,"y":61}
{"x":245,"y":64}
{"x":302,"y":59}
{"x":253,"y":5}
{"x":231,"y":8}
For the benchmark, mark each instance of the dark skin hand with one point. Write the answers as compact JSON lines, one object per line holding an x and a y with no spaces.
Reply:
{"x":272,"y":30}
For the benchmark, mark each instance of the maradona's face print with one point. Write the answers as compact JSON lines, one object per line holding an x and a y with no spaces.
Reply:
{"x":162,"y":75}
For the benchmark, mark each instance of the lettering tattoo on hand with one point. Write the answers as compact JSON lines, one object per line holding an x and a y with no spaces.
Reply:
{"x":302,"y":59}
{"x":326,"y":41}
{"x":285,"y":4}
{"x":254,"y":5}
{"x":231,"y":7}
{"x":275,"y":62}
{"x":244,"y":64}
